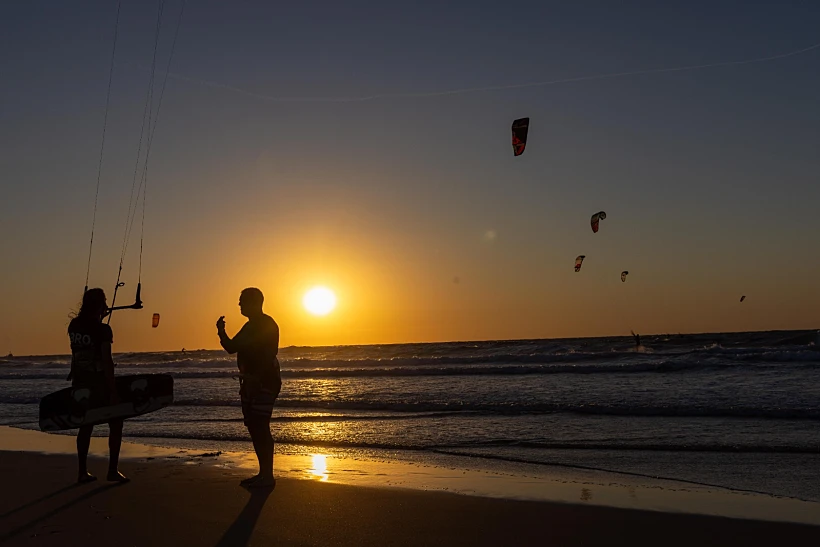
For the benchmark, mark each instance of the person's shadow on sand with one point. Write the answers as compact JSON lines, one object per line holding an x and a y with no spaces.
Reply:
{"x":46,"y":497}
{"x":88,"y":495}
{"x":239,"y":533}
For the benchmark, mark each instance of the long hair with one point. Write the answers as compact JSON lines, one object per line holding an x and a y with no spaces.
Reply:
{"x":93,"y":302}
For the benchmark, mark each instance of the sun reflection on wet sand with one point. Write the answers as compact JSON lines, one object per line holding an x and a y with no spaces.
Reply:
{"x":319,"y":468}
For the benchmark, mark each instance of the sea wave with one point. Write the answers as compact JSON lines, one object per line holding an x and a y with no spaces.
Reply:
{"x":478,"y":351}
{"x":465,"y":449}
{"x":499,"y":408}
{"x":521,"y":365}
{"x":610,"y":359}
{"x":506,"y":409}
{"x":516,"y":409}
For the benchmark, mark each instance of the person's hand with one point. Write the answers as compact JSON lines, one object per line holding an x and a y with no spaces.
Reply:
{"x":220,"y":324}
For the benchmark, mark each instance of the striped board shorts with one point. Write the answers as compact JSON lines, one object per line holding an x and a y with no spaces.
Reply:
{"x":257,"y":402}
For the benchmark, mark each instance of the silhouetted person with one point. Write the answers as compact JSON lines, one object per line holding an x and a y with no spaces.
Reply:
{"x":92,"y":367}
{"x":256,"y":345}
{"x":637,"y":339}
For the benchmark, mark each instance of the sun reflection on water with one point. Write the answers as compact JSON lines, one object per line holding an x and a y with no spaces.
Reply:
{"x":319,"y":469}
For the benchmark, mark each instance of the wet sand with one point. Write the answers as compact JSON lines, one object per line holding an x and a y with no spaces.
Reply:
{"x":191,"y":503}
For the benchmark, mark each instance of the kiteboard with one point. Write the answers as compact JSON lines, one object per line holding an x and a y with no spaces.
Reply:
{"x":138,"y":394}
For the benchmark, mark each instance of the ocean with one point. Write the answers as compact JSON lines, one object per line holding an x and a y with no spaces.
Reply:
{"x":739,"y":410}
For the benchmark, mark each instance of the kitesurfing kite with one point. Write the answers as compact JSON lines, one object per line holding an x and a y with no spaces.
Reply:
{"x":155,"y":321}
{"x":623,"y":275}
{"x":519,"y":135}
{"x":597,"y":217}
{"x":578,"y":261}
{"x":742,"y":298}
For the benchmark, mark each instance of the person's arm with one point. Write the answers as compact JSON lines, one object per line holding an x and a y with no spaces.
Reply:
{"x":275,"y":337}
{"x":231,"y":345}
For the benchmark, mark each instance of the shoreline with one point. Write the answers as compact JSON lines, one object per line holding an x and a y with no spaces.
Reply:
{"x":554,"y":485}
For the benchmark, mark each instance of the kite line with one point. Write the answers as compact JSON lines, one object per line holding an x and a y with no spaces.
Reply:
{"x":462,"y":91}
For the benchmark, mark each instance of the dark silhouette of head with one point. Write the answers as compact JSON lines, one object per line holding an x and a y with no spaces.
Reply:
{"x":94,"y":305}
{"x":250,"y":302}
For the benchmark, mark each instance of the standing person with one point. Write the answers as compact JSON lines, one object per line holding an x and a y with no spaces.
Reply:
{"x":92,"y":367}
{"x":256,"y":345}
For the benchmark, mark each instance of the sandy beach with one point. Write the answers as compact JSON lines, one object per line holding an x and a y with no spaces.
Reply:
{"x":191,"y":501}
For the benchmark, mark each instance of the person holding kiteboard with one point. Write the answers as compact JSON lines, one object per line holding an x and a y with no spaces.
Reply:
{"x":92,"y":367}
{"x":256,"y":345}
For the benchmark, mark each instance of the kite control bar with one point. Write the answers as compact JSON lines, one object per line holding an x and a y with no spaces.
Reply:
{"x":137,"y":305}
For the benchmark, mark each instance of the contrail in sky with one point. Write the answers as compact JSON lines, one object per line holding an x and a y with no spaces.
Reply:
{"x":461,"y":91}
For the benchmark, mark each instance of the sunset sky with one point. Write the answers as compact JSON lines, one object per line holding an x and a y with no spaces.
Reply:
{"x":412,"y":208}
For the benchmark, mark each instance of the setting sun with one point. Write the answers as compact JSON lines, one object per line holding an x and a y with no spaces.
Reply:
{"x":319,"y":301}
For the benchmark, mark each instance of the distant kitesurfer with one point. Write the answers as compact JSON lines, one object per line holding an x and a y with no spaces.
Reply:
{"x":92,"y":367}
{"x":256,"y":345}
{"x":637,"y":339}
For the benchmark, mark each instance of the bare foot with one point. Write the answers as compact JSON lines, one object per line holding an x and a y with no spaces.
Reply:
{"x":250,"y":480}
{"x":116,"y":476}
{"x":263,"y":482}
{"x":86,"y":477}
